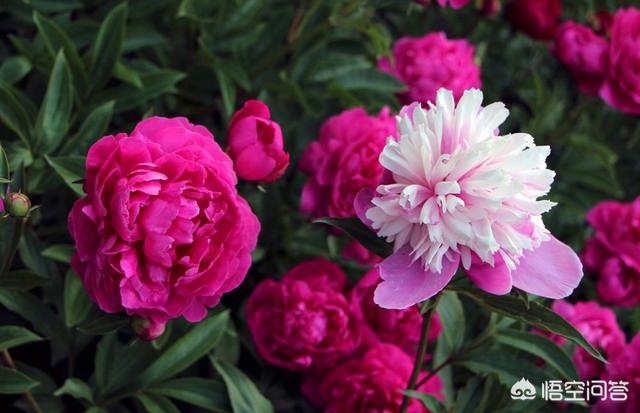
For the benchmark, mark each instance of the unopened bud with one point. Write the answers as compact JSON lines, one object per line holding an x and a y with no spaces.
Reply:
{"x":17,"y":204}
{"x":147,"y":329}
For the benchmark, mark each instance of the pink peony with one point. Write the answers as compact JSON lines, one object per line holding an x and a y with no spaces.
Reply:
{"x":372,"y":383}
{"x":599,"y":326}
{"x":621,"y":88}
{"x":255,"y":144}
{"x":1,"y":207}
{"x":344,"y":160}
{"x":428,"y":63}
{"x":304,"y":320}
{"x":455,"y":4}
{"x":162,"y":231}
{"x":625,"y":366}
{"x":584,"y":53}
{"x":537,"y":18}
{"x":399,"y":327}
{"x":613,"y":252}
{"x":456,"y":193}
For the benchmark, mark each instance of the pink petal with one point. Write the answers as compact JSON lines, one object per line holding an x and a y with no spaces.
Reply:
{"x":362,"y":203}
{"x":405,"y":282}
{"x":552,"y":270}
{"x":493,"y":279}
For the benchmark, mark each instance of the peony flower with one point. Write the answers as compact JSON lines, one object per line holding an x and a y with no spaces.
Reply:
{"x":625,"y":367}
{"x":162,"y":231}
{"x":428,"y":63}
{"x":1,"y":207}
{"x":584,"y":53}
{"x":537,"y":18}
{"x":399,"y":327}
{"x":455,"y":4}
{"x":454,"y":192}
{"x":304,"y":320}
{"x":613,"y":252}
{"x":599,"y":326}
{"x":372,"y":383}
{"x":621,"y":88}
{"x":255,"y":144}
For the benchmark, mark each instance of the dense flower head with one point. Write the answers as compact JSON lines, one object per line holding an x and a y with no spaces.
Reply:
{"x":621,"y":88}
{"x":162,"y":231}
{"x":613,"y":252}
{"x":454,"y":191}
{"x":599,"y":326}
{"x":584,"y":53}
{"x":625,"y":366}
{"x":399,"y":327}
{"x":373,"y":383}
{"x":428,"y":63}
{"x":537,"y":18}
{"x":343,"y":160}
{"x":304,"y":320}
{"x":255,"y":144}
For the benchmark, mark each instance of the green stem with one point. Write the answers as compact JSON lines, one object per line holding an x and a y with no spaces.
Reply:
{"x":422,"y":351}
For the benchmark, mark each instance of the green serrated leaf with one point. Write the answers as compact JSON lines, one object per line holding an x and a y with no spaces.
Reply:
{"x":12,"y":336}
{"x":357,"y":230}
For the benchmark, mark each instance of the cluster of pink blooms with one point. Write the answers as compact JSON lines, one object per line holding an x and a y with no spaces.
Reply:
{"x":354,"y":354}
{"x":599,"y":326}
{"x":603,"y":61}
{"x":162,"y":231}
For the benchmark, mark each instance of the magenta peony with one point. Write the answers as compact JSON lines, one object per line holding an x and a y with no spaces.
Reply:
{"x":255,"y":144}
{"x":428,"y":63}
{"x":303,"y":321}
{"x":162,"y":231}
{"x":584,"y":53}
{"x":455,"y":4}
{"x":621,"y":88}
{"x":372,"y":383}
{"x":399,"y":327}
{"x":624,"y":367}
{"x":599,"y":326}
{"x":613,"y":252}
{"x":537,"y":18}
{"x":456,"y":193}
{"x":343,"y":160}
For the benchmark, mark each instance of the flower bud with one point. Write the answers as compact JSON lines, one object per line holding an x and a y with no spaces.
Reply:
{"x":147,"y":329}
{"x":17,"y":204}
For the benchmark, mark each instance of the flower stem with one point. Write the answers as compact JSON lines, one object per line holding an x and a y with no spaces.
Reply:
{"x":27,"y":394}
{"x":422,"y":351}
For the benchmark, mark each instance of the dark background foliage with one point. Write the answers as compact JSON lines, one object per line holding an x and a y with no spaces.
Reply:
{"x":72,"y":71}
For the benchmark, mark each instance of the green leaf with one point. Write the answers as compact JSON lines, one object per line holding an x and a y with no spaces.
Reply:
{"x":536,"y":315}
{"x":92,"y":129}
{"x":76,"y":388}
{"x":369,"y":79}
{"x":15,"y":115}
{"x":53,"y":120}
{"x":105,"y":53}
{"x":5,"y":170}
{"x":59,"y":252}
{"x":55,"y":39}
{"x":361,"y":233}
{"x":336,"y":65}
{"x":13,"y":69}
{"x":468,"y":397}
{"x":21,"y":280}
{"x":451,"y":316}
{"x":127,"y":75}
{"x":227,"y":90}
{"x":504,"y":364}
{"x":12,"y":336}
{"x":14,"y":382}
{"x":103,"y":325}
{"x":542,"y":347}
{"x":187,"y":350}
{"x":70,"y":169}
{"x":430,"y":402}
{"x":76,"y":300}
{"x":157,"y":404}
{"x":243,"y":394}
{"x":205,"y":393}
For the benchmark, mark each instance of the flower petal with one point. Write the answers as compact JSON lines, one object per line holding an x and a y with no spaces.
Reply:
{"x":362,"y":203}
{"x":552,"y":270}
{"x":494,"y":279}
{"x":405,"y":281}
